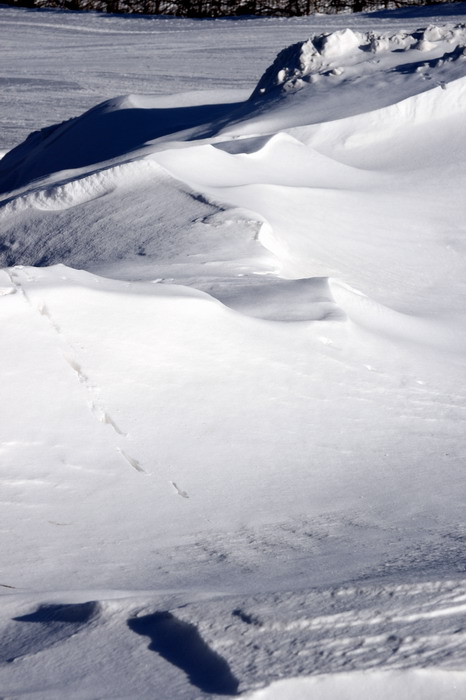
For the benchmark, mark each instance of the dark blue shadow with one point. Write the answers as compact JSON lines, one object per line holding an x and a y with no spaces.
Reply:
{"x":102,"y":134}
{"x":180,"y":644}
{"x":46,"y":614}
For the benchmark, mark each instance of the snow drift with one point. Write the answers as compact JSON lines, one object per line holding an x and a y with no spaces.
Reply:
{"x":235,"y":378}
{"x":345,"y":72}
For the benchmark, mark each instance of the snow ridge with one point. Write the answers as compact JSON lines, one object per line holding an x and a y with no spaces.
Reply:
{"x":338,"y":53}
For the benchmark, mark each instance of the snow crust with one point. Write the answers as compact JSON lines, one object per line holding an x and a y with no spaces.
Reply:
{"x":233,"y":358}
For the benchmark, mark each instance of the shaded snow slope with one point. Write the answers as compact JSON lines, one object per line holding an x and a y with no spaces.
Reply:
{"x":232,"y":448}
{"x":108,"y":131}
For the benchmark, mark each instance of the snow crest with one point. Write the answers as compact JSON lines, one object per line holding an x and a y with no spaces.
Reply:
{"x":333,"y":54}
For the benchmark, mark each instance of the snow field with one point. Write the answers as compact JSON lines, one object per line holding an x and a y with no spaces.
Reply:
{"x":232,"y":445}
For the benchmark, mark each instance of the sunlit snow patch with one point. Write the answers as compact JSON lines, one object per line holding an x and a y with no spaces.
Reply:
{"x":353,"y":55}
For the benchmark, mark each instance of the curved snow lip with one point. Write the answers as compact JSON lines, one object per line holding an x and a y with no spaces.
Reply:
{"x":76,"y":189}
{"x":378,"y":318}
{"x":282,"y":300}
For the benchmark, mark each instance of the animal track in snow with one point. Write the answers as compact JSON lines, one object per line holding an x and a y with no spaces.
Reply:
{"x":43,"y":310}
{"x":179,"y":491}
{"x":105,"y":418}
{"x":247,"y":617}
{"x":96,"y":406}
{"x":133,"y":462}
{"x":77,"y":368}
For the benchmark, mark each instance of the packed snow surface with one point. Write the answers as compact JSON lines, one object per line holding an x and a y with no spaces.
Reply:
{"x":233,"y":358}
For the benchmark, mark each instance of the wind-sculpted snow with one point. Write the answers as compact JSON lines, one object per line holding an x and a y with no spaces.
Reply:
{"x":232,"y":450}
{"x":112,"y":130}
{"x":384,"y":69}
{"x":347,"y":55}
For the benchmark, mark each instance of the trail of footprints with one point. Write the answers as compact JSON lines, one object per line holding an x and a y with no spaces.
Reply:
{"x":95,"y":404}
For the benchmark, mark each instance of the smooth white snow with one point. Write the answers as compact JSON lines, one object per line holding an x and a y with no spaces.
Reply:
{"x":232,"y":417}
{"x":405,"y":685}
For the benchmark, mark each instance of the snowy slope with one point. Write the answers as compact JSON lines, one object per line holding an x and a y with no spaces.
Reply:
{"x":233,"y":372}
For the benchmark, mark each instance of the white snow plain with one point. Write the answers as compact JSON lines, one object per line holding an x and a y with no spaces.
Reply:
{"x":233,"y":356}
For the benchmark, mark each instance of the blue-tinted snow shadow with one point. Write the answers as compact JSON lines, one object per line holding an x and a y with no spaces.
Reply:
{"x":106,"y":133}
{"x":51,"y":623}
{"x":180,"y":644}
{"x":79,"y":613}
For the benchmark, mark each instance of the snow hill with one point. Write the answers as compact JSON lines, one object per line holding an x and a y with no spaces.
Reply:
{"x":233,"y":380}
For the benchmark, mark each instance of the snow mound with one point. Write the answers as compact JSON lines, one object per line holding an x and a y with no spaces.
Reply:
{"x":378,"y":318}
{"x":81,"y":189}
{"x":345,"y":72}
{"x":115,"y":130}
{"x":340,"y":53}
